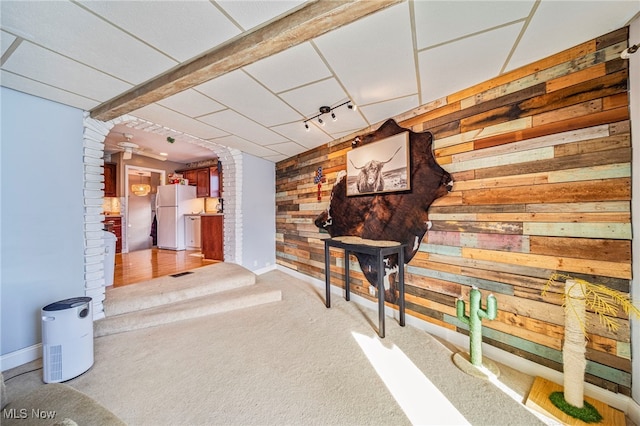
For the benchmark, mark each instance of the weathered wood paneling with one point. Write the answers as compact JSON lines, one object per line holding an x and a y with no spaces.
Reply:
{"x":541,"y":162}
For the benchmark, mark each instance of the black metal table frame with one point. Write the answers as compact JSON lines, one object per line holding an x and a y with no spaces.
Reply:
{"x":380,"y":252}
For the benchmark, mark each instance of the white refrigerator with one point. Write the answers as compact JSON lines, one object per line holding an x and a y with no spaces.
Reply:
{"x":172,"y":202}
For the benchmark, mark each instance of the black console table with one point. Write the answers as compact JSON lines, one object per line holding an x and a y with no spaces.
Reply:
{"x":380,"y":249}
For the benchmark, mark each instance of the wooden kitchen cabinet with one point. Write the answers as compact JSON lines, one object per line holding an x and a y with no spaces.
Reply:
{"x":113,"y":224}
{"x":191,"y":175}
{"x":212,"y":237}
{"x":207,"y":180}
{"x":203,"y":183}
{"x":110,"y":174}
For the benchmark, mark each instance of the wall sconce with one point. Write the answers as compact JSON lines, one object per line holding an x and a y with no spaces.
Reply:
{"x":327,"y":110}
{"x":628,"y":51}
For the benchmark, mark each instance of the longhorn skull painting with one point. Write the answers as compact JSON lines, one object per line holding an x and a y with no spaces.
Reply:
{"x":392,"y":216}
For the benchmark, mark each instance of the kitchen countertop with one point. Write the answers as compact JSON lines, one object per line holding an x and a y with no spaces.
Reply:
{"x":204,"y":214}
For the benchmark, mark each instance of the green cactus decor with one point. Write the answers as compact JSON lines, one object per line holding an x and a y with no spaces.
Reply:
{"x":474,"y":321}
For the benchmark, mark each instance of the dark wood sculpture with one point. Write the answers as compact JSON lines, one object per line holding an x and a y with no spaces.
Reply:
{"x":397,"y":216}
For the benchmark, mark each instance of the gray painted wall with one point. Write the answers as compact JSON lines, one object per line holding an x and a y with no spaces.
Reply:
{"x":41,"y":213}
{"x":258,"y":213}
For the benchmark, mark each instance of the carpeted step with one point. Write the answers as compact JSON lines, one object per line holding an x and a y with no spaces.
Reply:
{"x":191,"y":308}
{"x":199,"y":282}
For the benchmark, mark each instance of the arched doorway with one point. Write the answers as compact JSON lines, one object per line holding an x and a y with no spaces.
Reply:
{"x":95,"y":132}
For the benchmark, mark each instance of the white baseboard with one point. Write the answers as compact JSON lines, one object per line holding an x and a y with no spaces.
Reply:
{"x":633,"y":411}
{"x":616,"y":400}
{"x":264,"y":270}
{"x":21,"y":356}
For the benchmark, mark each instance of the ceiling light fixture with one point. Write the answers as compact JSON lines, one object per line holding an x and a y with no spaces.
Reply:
{"x":628,"y":51}
{"x":328,"y":110}
{"x":140,"y":189}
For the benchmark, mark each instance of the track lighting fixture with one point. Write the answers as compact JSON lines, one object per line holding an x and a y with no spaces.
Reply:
{"x":628,"y":51}
{"x":328,"y":110}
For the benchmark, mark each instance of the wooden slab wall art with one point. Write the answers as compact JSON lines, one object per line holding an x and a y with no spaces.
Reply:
{"x":541,"y":163}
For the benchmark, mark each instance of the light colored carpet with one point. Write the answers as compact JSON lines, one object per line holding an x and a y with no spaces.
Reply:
{"x":290,"y":363}
{"x":209,"y":290}
{"x":163,"y":290}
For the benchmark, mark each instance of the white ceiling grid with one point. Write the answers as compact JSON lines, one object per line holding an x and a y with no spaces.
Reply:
{"x":83,"y":53}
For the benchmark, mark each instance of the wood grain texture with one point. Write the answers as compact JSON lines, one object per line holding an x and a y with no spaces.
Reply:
{"x":541,"y":162}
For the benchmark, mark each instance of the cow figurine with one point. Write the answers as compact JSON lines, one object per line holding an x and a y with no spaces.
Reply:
{"x":394,"y":216}
{"x":370,"y":176}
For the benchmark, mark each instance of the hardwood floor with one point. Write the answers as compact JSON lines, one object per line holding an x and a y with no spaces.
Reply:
{"x":143,"y":265}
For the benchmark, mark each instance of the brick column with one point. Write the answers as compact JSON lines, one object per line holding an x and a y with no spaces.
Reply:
{"x":95,"y":133}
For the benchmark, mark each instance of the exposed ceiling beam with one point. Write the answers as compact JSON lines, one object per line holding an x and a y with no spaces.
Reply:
{"x":306,"y":23}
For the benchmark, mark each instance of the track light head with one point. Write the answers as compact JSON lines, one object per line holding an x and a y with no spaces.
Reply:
{"x":306,"y":126}
{"x":320,"y":121}
{"x":333,"y":116}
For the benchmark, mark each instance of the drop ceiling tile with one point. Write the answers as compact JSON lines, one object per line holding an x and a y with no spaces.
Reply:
{"x":346,"y":121}
{"x":236,"y":124}
{"x":34,"y":88}
{"x":548,"y":33}
{"x":442,"y":73}
{"x":85,"y":37}
{"x":288,"y":148}
{"x":382,"y":111}
{"x":238,"y":91}
{"x":291,"y":68}
{"x":245,"y":146}
{"x":441,"y":21}
{"x":191,"y":103}
{"x":200,"y":24}
{"x":309,"y":99}
{"x":173,"y":120}
{"x":252,"y":13}
{"x":275,"y":158}
{"x":5,"y":41}
{"x":296,"y":132}
{"x":373,"y":57}
{"x":55,"y":70}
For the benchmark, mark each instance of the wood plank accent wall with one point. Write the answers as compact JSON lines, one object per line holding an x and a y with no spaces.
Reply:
{"x":541,"y":159}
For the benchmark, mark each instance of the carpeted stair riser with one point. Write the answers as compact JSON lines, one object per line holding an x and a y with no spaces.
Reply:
{"x":161,"y":291}
{"x":192,"y":308}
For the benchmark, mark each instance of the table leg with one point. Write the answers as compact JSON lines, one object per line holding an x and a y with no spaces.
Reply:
{"x":380,"y":296}
{"x":401,"y":284}
{"x":346,"y":275}
{"x":327,"y":275}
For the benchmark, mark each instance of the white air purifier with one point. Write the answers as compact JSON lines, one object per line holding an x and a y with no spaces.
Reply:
{"x":67,"y":339}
